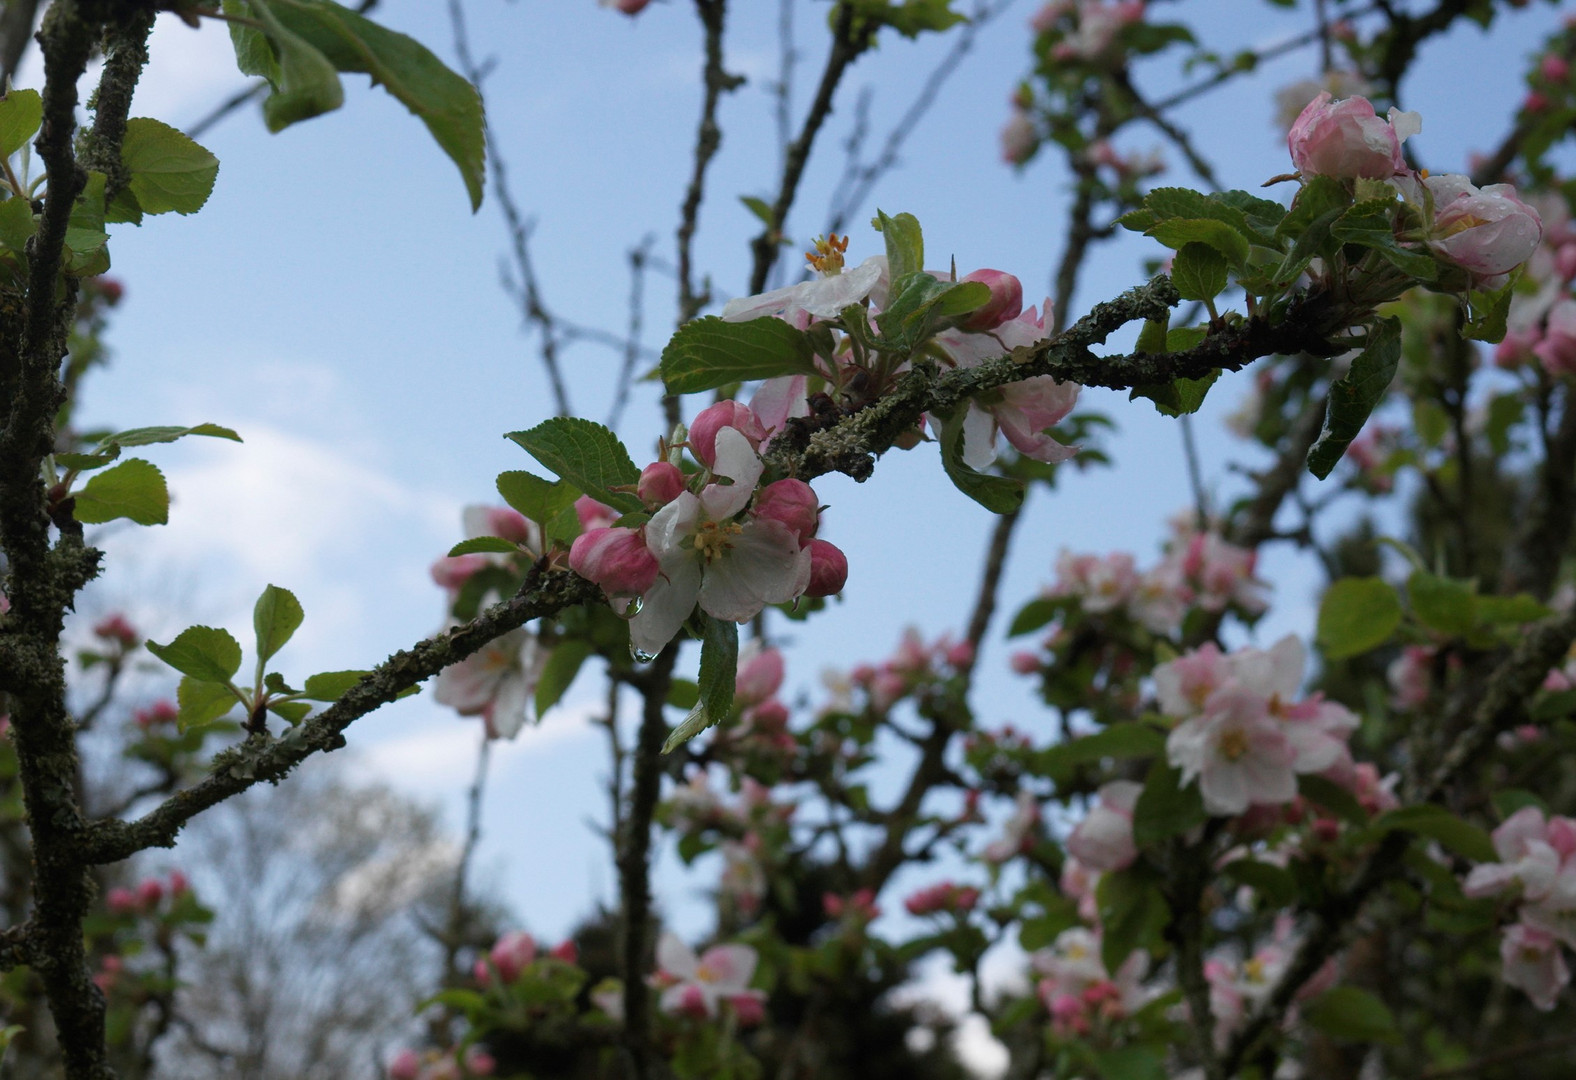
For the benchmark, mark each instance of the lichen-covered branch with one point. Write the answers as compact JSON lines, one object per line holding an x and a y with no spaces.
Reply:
{"x":544,"y":592}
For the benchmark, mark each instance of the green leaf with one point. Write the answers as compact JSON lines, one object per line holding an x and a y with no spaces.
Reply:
{"x":1487,"y":311}
{"x":1033,"y":615}
{"x":1354,"y":396}
{"x":998,"y":494}
{"x":905,"y":244}
{"x":1133,"y":913}
{"x":1333,"y":797}
{"x":485,"y":545}
{"x":331,"y":685}
{"x":449,"y":106}
{"x":719,"y":667}
{"x":1552,"y":705}
{"x":1176,"y":398}
{"x":275,"y":618}
{"x":1116,"y":741}
{"x":305,"y":82}
{"x":910,"y":17}
{"x":203,"y":652}
{"x":1437,"y":823}
{"x":169,"y":171}
{"x":1354,"y":1015}
{"x":21,"y":115}
{"x":145,"y":436}
{"x":759,"y":208}
{"x":1442,"y":603}
{"x":1129,"y":1063}
{"x":1174,"y":203}
{"x":85,"y":235}
{"x":1178,"y":233}
{"x":1166,"y":808}
{"x":683,"y":694}
{"x":708,"y":353}
{"x":292,"y":712}
{"x":1357,"y":614}
{"x":550,"y":503}
{"x":921,"y":304}
{"x":1271,"y":882}
{"x":1199,"y":272}
{"x":254,"y":55}
{"x":563,"y":664}
{"x":1521,"y":608}
{"x":1263,"y":214}
{"x":17,"y":224}
{"x":202,"y":703}
{"x":587,"y":455}
{"x":1371,"y":224}
{"x":133,"y":489}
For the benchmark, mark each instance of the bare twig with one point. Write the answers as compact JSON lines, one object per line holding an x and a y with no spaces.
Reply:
{"x":639,"y":255}
{"x":707,"y":141}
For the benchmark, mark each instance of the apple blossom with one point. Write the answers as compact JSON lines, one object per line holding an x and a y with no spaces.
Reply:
{"x":497,"y":682}
{"x":1526,"y":859}
{"x":1346,"y":139}
{"x":1488,"y":231}
{"x":791,"y":502}
{"x":731,"y":568}
{"x":405,"y":1066}
{"x":1019,"y":138}
{"x":1533,"y":963}
{"x":823,"y":296}
{"x":1018,"y":833}
{"x":700,"y":984}
{"x":1557,"y":349}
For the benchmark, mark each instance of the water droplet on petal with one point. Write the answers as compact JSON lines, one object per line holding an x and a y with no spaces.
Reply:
{"x":630,"y":610}
{"x":641,"y":657}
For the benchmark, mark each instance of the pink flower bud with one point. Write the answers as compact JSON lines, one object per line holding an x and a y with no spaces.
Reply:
{"x":734,"y":414}
{"x":769,"y":715}
{"x":110,"y":289}
{"x":1565,"y":261}
{"x":660,"y":483}
{"x":452,"y":571}
{"x":749,"y":1009}
{"x":180,"y":885}
{"x":616,"y":559}
{"x":1019,"y":139}
{"x":760,"y":675}
{"x":960,"y":655}
{"x":832,"y":904}
{"x":116,"y":628}
{"x":511,"y":525}
{"x":121,"y":901}
{"x":1346,"y":139}
{"x":405,"y":1066}
{"x":513,"y":953}
{"x":828,"y":569}
{"x":692,"y":1002}
{"x":479,"y":1062}
{"x":160,"y":712}
{"x":592,"y":514}
{"x":1555,"y":68}
{"x":1535,"y":102}
{"x":791,"y":502}
{"x":1005,"y":303}
{"x":566,"y":951}
{"x":1025,"y":663}
{"x":150,"y":892}
{"x":628,"y":7}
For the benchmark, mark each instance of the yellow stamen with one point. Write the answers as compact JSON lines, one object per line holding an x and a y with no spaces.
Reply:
{"x":1254,"y":970}
{"x":1233,"y":744}
{"x":714,"y":538}
{"x":827,"y":258}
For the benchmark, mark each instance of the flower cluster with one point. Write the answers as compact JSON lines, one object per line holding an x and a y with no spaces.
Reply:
{"x":438,"y":1065}
{"x":148,"y":896}
{"x":944,"y":896}
{"x":1485,"y":231}
{"x":723,"y":541}
{"x":1200,"y":570}
{"x":1243,"y":735}
{"x":1076,"y":989}
{"x":1537,"y":871}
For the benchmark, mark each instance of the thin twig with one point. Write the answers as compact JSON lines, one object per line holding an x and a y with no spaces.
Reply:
{"x":708,"y":139}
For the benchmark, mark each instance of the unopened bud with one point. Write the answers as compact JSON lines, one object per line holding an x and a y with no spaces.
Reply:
{"x":734,"y":414}
{"x":405,"y":1066}
{"x":616,"y":559}
{"x":791,"y":502}
{"x":828,"y":569}
{"x":1005,"y":303}
{"x":660,"y":483}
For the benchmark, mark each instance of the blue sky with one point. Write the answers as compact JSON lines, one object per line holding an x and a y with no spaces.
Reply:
{"x":338,"y":304}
